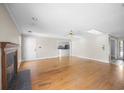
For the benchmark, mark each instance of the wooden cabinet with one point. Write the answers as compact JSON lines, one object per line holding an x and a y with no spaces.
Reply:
{"x":9,"y":63}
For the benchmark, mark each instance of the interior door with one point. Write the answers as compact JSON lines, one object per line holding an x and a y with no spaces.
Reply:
{"x":30,"y":48}
{"x":113,"y":44}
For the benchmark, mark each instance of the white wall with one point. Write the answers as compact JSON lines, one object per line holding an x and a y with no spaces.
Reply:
{"x":8,"y":31}
{"x":92,"y":47}
{"x":88,"y":46}
{"x":31,"y":47}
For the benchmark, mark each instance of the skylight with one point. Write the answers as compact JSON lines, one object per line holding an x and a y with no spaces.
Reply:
{"x":95,"y":32}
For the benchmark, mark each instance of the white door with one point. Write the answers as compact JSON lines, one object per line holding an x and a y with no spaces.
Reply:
{"x":29,"y":48}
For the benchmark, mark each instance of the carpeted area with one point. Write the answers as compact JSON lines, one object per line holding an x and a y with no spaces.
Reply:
{"x":22,"y":81}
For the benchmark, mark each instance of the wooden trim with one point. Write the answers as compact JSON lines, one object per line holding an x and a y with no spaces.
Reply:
{"x":3,"y":62}
{"x":5,"y":47}
{"x":16,"y":65}
{"x":0,"y":45}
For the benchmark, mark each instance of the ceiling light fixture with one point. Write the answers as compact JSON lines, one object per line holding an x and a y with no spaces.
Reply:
{"x":30,"y":31}
{"x":71,"y":33}
{"x":95,"y":32}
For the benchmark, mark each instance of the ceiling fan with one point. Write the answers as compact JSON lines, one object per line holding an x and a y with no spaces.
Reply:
{"x":72,"y":35}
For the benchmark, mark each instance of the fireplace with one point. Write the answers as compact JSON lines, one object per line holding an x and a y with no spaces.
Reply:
{"x":9,"y":63}
{"x":11,"y":69}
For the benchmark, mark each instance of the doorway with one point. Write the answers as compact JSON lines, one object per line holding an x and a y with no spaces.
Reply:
{"x":113,"y":49}
{"x":121,"y":50}
{"x":116,"y":51}
{"x":63,"y":49}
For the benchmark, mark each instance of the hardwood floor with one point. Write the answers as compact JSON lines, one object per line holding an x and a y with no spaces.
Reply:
{"x":74,"y":73}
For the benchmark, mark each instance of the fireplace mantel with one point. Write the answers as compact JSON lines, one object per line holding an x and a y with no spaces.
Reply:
{"x":7,"y":49}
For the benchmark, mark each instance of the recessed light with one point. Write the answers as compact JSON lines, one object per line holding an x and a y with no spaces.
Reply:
{"x":30,"y":31}
{"x":95,"y":32}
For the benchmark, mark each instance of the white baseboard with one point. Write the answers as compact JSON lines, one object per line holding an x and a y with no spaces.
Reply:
{"x":104,"y":61}
{"x":38,"y":58}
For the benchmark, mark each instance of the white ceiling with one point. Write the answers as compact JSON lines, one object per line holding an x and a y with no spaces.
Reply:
{"x":59,"y":19}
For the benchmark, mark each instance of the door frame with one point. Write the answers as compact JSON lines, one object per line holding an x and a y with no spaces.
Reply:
{"x":116,"y":47}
